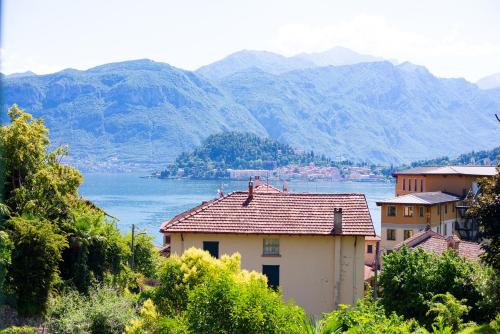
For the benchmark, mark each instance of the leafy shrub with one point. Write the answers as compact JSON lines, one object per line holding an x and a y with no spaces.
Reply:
{"x":146,"y":256}
{"x":449,"y":311}
{"x":105,"y":310}
{"x":365,"y":317}
{"x":151,"y":322}
{"x":35,"y":259}
{"x":5,"y":257}
{"x":410,"y":279}
{"x":19,"y":330}
{"x":216,"y":296}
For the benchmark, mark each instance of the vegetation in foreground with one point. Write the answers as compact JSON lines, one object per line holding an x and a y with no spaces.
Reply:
{"x":64,"y":267}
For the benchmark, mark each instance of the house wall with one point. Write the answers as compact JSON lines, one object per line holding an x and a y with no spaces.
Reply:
{"x":314,"y":270}
{"x":454,"y":184}
{"x":370,"y":257}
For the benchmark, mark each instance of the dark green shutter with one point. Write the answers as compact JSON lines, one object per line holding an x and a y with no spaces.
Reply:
{"x":273,"y":275}
{"x":212,"y":247}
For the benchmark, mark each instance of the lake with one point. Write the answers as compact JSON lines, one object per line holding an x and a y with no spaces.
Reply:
{"x":149,"y":202}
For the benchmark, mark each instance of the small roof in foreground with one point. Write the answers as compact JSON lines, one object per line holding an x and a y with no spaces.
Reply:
{"x":425,"y":198}
{"x":434,"y":242}
{"x":276,"y":213}
{"x":450,"y":170}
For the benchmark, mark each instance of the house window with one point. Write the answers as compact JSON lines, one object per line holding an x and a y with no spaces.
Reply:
{"x":408,"y":211}
{"x":415,"y":184}
{"x":445,"y":229}
{"x":407,"y":234}
{"x":421,"y":185}
{"x":452,"y":207}
{"x":421,"y":211}
{"x":389,"y":251}
{"x":446,"y":208}
{"x":271,"y":247}
{"x":404,"y":184}
{"x":439,"y":209}
{"x":391,"y":210}
{"x":369,"y":249}
{"x":212,"y":247}
{"x":273,"y":275}
{"x":409,"y":185}
{"x":391,"y":234}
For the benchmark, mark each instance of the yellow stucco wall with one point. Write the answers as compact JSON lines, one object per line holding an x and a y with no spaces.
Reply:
{"x":310,"y":266}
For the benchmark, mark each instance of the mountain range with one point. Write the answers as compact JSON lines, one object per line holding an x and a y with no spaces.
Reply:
{"x":141,"y":114}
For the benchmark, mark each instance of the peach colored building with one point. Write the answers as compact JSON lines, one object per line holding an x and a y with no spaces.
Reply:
{"x":430,"y":196}
{"x":311,"y":246}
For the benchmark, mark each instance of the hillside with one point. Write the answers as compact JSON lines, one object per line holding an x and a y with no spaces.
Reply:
{"x":142,"y":114}
{"x":235,"y":150}
{"x":485,"y":157}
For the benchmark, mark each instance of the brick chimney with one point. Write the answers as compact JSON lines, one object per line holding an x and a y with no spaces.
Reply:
{"x":250,"y":188}
{"x":453,"y":243}
{"x":285,"y":187}
{"x":337,"y":220}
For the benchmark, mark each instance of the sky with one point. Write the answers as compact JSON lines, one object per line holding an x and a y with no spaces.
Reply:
{"x":456,"y":38}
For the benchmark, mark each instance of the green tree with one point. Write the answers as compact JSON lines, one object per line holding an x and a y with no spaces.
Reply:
{"x":486,"y":208}
{"x":146,"y":257}
{"x":5,"y":258}
{"x":411,"y":278}
{"x":35,"y":258}
{"x":448,"y":311}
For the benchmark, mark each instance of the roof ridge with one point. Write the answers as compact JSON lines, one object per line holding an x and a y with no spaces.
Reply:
{"x":203,"y":208}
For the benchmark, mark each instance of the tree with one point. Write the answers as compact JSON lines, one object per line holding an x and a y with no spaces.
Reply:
{"x":146,"y":257}
{"x":35,"y":259}
{"x":411,"y":278}
{"x":486,"y":209}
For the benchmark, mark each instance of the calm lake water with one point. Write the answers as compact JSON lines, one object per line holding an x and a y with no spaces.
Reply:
{"x":149,"y":202}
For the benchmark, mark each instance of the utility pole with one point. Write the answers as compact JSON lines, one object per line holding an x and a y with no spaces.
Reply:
{"x":132,"y":246}
{"x":377,"y":254}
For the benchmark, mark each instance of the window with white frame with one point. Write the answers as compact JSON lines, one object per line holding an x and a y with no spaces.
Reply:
{"x":271,"y":247}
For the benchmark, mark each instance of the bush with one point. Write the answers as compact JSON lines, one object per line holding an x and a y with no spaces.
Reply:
{"x":410,"y":279}
{"x":35,"y":259}
{"x":5,"y":257}
{"x":151,"y":322}
{"x":104,"y":311}
{"x":19,"y":330}
{"x":146,"y":257}
{"x":449,"y":311}
{"x":365,"y":317}
{"x":216,"y":296}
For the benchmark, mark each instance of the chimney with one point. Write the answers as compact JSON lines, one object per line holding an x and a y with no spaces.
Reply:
{"x":257,"y":180}
{"x":452,"y":243}
{"x":250,"y":188}
{"x":337,"y":220}
{"x":285,"y":187}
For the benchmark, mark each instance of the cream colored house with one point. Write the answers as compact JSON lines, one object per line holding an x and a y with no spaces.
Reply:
{"x":311,"y":246}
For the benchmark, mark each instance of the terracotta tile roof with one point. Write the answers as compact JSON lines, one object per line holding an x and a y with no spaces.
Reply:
{"x":437,"y":243}
{"x":424,"y":198}
{"x":276,"y":213}
{"x":263,"y":187}
{"x":375,"y":238}
{"x":369,"y":273}
{"x":450,"y":170}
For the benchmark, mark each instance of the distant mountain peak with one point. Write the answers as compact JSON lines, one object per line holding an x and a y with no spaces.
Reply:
{"x":337,"y":56}
{"x":489,"y":82}
{"x":21,"y":74}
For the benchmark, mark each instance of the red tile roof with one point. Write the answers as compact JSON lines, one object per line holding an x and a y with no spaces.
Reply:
{"x":267,"y":188}
{"x":276,"y":213}
{"x":437,"y":243}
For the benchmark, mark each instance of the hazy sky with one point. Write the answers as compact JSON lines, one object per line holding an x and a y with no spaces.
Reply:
{"x":452,"y":38}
